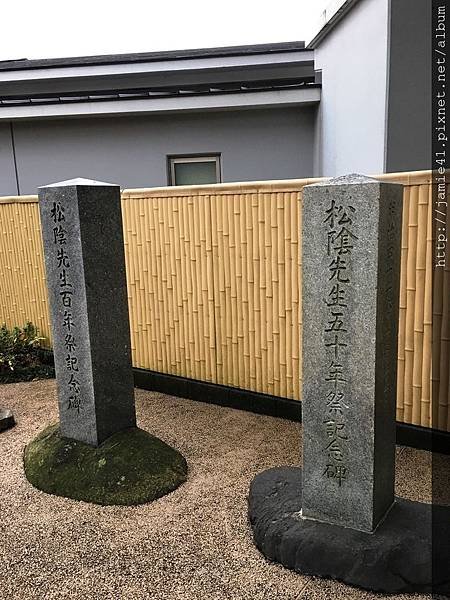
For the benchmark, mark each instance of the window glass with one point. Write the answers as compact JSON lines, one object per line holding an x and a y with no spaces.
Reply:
{"x":194,"y":171}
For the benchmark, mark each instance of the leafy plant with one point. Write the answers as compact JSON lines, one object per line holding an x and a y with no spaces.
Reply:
{"x":21,"y":355}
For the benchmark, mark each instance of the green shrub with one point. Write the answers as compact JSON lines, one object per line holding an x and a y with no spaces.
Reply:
{"x":21,"y":355}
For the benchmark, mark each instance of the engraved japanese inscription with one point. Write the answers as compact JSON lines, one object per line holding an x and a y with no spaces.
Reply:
{"x":61,"y":231}
{"x":341,"y":242}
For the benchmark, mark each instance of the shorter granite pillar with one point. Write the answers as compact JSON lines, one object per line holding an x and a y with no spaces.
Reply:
{"x":84,"y":257}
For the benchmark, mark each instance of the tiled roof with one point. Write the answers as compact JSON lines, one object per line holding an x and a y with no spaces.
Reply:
{"x":111,"y":59}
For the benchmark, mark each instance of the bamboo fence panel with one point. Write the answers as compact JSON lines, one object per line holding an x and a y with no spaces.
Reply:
{"x":214,"y":287}
{"x":255,"y":237}
{"x":23,"y":291}
{"x":169,"y":277}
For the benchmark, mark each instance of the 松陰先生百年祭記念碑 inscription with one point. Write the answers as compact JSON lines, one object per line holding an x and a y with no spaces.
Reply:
{"x":66,"y":296}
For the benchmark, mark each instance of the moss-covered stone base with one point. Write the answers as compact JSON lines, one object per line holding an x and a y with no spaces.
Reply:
{"x":131,"y":467}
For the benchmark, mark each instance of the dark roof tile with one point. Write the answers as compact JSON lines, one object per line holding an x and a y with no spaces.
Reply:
{"x":113,"y":59}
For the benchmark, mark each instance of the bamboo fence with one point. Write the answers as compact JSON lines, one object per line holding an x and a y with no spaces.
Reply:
{"x":214,"y":287}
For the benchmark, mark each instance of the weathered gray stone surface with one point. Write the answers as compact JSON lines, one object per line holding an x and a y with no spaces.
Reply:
{"x":351,"y":264}
{"x":396,"y":558}
{"x":6,"y":419}
{"x":84,"y":258}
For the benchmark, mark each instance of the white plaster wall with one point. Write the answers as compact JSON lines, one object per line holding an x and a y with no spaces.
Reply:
{"x":352,"y":115}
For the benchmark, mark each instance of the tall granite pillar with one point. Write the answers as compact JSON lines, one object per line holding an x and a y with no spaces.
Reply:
{"x":84,"y":257}
{"x":336,"y":517}
{"x":351,"y":272}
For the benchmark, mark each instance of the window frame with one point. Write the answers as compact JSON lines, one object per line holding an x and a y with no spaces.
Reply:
{"x":173,"y":159}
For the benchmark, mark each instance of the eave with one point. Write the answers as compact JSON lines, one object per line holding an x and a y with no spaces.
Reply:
{"x":304,"y":96}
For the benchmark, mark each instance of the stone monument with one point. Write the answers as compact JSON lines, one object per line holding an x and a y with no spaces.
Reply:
{"x":337,"y":517}
{"x":84,"y":258}
{"x":96,"y":453}
{"x":351,"y":283}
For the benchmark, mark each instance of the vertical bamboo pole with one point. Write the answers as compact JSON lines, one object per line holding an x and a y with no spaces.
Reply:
{"x":192,"y":295}
{"x":262,"y":217}
{"x":425,"y":409}
{"x":275,"y":298}
{"x":228,"y":351}
{"x":296,"y":228}
{"x":236,"y":287}
{"x":282,"y":200}
{"x":23,"y":280}
{"x":35,"y":239}
{"x":152,"y":284}
{"x":419,"y":302}
{"x":256,"y":259}
{"x":403,"y":306}
{"x":147,"y":281}
{"x":219,"y":283}
{"x":142,"y":283}
{"x":211,"y":248}
{"x":135,"y":293}
{"x":158,"y":288}
{"x":222,"y":239}
{"x":177,"y":284}
{"x":169,"y":254}
{"x":144,"y":332}
{"x":6,"y":258}
{"x":410,"y":294}
{"x":166,"y":216}
{"x":129,"y":268}
{"x":200,"y":259}
{"x":288,"y":294}
{"x":186,"y":345}
{"x":252,"y":351}
{"x":244,"y":339}
{"x":268,"y":304}
{"x":9,"y":239}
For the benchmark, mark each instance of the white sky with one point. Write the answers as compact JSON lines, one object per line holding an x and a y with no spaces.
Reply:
{"x":61,"y":28}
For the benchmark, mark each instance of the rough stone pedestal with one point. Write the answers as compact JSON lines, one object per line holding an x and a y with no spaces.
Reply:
{"x":396,"y":558}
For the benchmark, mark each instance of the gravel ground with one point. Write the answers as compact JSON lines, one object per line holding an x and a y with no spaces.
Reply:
{"x":194,"y":544}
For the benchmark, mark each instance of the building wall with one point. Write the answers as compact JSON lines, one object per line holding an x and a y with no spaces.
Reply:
{"x":132,"y":151}
{"x":8,"y":185}
{"x":409,"y":104}
{"x":353,"y":60}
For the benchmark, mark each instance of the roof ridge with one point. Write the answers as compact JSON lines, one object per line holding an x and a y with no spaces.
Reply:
{"x":23,"y":64}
